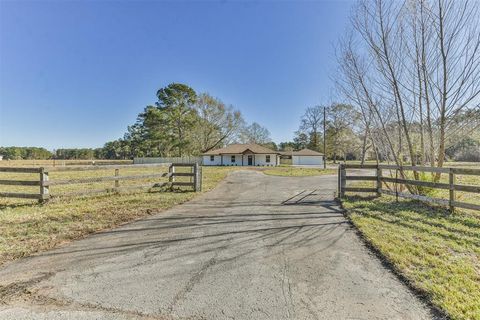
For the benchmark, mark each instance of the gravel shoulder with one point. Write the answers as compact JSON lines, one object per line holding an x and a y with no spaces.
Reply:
{"x":256,"y":247}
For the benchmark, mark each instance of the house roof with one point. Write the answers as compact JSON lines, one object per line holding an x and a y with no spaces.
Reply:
{"x":303,"y":152}
{"x":238,"y":148}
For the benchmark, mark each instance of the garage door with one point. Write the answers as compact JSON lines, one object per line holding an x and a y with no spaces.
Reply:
{"x":307,"y":160}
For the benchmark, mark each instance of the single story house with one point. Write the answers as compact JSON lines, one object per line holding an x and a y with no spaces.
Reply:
{"x":305,"y":157}
{"x":250,"y":154}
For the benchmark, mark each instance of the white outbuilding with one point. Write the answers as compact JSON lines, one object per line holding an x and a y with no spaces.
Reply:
{"x":307,"y":157}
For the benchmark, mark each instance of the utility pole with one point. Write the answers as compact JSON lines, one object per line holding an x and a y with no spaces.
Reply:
{"x":324,"y":139}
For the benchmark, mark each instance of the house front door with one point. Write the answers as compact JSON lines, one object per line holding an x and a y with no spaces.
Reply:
{"x":250,"y":160}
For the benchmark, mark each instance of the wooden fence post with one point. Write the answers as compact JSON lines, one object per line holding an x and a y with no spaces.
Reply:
{"x":196,"y":180}
{"x":343,"y":180}
{"x":451,"y":181}
{"x":379,"y":181}
{"x":339,"y":187}
{"x":44,"y":188}
{"x":171,"y":171}
{"x":117,"y":182}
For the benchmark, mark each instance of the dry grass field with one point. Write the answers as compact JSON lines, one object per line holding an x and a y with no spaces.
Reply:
{"x":27,"y":227}
{"x":60,"y":190}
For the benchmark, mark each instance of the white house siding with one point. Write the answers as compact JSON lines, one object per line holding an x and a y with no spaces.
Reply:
{"x":227,"y":159}
{"x":259,"y":160}
{"x":208,"y":162}
{"x":307,"y":160}
{"x":185,"y":159}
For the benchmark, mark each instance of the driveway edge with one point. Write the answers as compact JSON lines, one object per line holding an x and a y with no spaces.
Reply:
{"x":437,"y":312}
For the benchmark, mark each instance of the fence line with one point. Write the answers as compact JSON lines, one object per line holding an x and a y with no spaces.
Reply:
{"x":44,"y":182}
{"x":452,"y":186}
{"x":186,"y":159}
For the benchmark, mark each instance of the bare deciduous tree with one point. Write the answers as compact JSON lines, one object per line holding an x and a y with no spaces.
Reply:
{"x":412,"y":68}
{"x":310,"y":124}
{"x":255,"y":133}
{"x":218,"y":124}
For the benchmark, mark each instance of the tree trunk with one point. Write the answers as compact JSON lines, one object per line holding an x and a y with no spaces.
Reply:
{"x":443,"y":104}
{"x":364,"y":147}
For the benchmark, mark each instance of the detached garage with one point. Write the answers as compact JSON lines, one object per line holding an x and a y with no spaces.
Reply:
{"x":307,"y":157}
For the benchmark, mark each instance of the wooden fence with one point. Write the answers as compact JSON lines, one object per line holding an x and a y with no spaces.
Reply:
{"x":399,"y":178}
{"x":44,"y":182}
{"x":185,"y":159}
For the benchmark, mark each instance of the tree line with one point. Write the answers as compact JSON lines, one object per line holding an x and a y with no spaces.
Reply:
{"x":36,"y":153}
{"x":348,"y":137}
{"x":17,"y":153}
{"x":344,"y":137}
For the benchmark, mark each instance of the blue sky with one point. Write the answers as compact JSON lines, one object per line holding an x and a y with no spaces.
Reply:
{"x":77,"y":73}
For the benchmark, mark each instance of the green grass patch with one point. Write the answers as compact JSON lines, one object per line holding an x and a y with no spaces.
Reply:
{"x":287,"y":171}
{"x":439,"y":252}
{"x":27,"y":227}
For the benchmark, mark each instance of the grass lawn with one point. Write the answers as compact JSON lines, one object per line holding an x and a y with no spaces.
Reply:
{"x":288,"y":171}
{"x":27,"y":227}
{"x":437,"y":251}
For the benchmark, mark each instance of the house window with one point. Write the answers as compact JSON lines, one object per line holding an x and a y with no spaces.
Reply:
{"x":233,"y":159}
{"x":212,"y":158}
{"x":267,"y":158}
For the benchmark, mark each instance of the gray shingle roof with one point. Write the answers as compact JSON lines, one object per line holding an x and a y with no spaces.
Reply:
{"x":303,"y":152}
{"x":238,"y":148}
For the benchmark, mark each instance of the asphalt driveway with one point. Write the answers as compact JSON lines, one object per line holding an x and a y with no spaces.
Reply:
{"x":256,"y":247}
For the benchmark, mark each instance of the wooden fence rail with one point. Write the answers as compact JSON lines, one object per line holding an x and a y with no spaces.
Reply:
{"x":22,"y":195}
{"x":185,"y":159}
{"x":44,"y":182}
{"x":378,"y":176}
